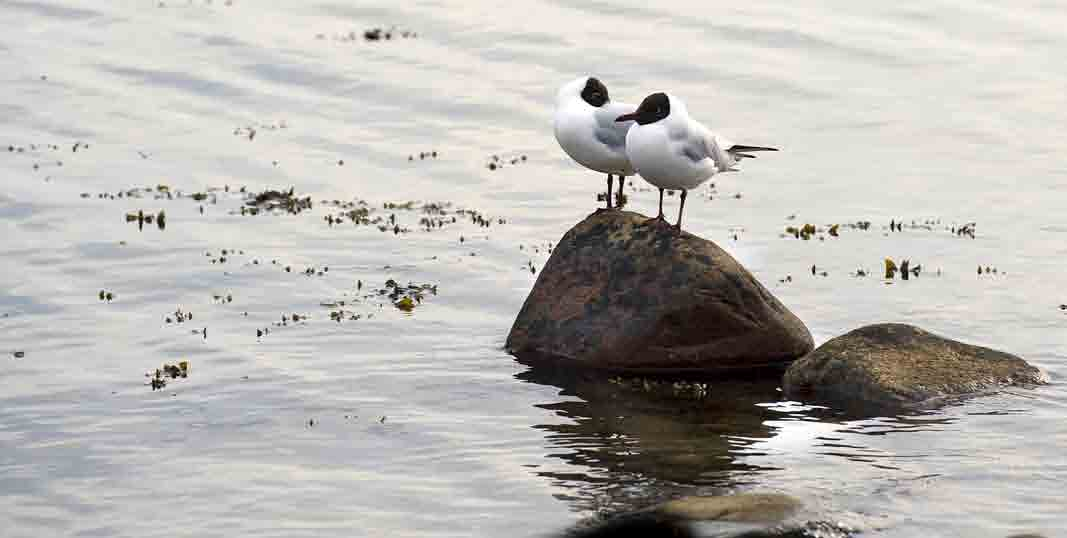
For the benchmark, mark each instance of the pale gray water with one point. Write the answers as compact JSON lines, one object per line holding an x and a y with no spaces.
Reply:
{"x":944,"y":110}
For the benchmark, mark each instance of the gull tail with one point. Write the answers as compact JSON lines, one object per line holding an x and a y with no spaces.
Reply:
{"x":738,"y":148}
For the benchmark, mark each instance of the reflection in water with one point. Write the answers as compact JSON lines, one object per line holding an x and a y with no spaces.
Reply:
{"x":628,"y":443}
{"x":633,"y":441}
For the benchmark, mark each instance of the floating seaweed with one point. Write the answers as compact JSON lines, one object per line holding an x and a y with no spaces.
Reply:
{"x":169,"y":371}
{"x":496,"y":162}
{"x":905,"y":269}
{"x":966,"y":230}
{"x":423,"y":155}
{"x":250,"y":131}
{"x":379,"y":34}
{"x":178,"y":317}
{"x":271,"y":200}
{"x":291,"y":318}
{"x":679,"y":388}
{"x":142,"y":218}
{"x":406,"y":298}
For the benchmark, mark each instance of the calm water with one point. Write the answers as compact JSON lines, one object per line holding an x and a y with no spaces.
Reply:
{"x":423,"y":426}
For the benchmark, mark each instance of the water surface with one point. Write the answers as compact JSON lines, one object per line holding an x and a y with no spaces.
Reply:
{"x":422,"y":426}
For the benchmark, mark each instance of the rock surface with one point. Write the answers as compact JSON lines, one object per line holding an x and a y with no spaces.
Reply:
{"x":748,"y":515}
{"x":626,"y":294}
{"x":898,"y":365}
{"x":739,"y":508}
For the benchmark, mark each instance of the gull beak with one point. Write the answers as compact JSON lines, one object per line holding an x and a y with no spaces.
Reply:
{"x":627,"y":117}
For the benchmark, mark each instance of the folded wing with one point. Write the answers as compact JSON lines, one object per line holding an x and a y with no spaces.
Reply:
{"x":608,"y":131}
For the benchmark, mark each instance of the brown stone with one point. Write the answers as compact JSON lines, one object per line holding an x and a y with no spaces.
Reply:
{"x":741,"y":508}
{"x":742,"y":515}
{"x":898,"y":365}
{"x":624,"y":293}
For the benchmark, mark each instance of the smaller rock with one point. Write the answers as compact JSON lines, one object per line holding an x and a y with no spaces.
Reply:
{"x":641,"y":525}
{"x":901,"y":366}
{"x":748,"y":515}
{"x":742,"y":508}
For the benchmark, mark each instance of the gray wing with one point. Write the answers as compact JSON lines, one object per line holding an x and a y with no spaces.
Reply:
{"x":702,"y":144}
{"x":695,"y":149}
{"x":608,"y":131}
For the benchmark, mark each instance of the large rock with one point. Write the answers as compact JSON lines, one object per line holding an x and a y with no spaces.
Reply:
{"x":897,"y":365}
{"x":622,"y":293}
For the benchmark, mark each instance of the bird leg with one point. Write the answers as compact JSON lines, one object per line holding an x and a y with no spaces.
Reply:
{"x":611,"y":181}
{"x":680,"y":209}
{"x":619,"y":197}
{"x":658,"y":218}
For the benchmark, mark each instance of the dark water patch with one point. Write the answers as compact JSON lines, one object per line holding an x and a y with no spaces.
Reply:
{"x":17,"y":211}
{"x":176,"y":80}
{"x":291,"y":74}
{"x":218,"y":41}
{"x":189,"y":4}
{"x":53,"y":11}
{"x":662,"y":437}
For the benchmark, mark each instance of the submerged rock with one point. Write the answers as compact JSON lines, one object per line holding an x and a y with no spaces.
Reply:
{"x":623,"y":293}
{"x":741,"y":508}
{"x":748,"y":515}
{"x":898,"y":365}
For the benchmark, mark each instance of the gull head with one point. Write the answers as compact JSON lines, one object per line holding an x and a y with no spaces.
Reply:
{"x":588,"y":89}
{"x":653,"y":108}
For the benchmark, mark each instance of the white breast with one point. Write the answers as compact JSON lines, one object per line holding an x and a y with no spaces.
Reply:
{"x":575,"y":129}
{"x":660,"y":159}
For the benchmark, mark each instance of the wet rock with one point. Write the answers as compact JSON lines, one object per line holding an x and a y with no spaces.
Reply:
{"x":898,"y":365}
{"x":747,"y":515}
{"x":637,"y":526}
{"x":744,"y":508}
{"x":624,"y":293}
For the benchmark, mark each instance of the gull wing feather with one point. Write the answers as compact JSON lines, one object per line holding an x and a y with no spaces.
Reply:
{"x":703,"y":144}
{"x":609,"y":132}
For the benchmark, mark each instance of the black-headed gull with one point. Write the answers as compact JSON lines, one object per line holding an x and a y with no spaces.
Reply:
{"x":586,"y":128}
{"x":673,"y":151}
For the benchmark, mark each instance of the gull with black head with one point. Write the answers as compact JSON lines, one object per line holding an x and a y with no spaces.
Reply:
{"x":587,"y":130}
{"x":672,"y":151}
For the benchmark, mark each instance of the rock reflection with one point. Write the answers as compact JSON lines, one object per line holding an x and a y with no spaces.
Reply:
{"x":628,"y":442}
